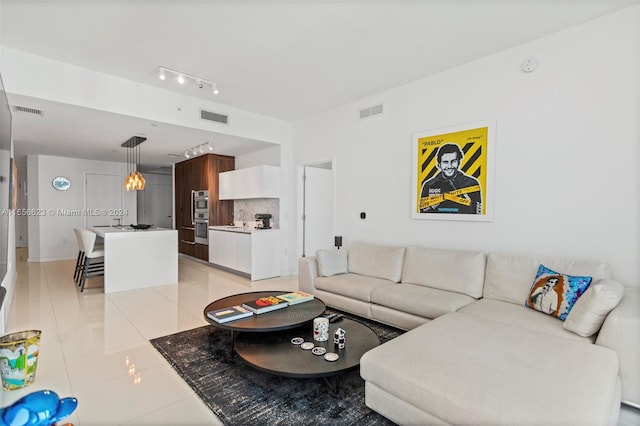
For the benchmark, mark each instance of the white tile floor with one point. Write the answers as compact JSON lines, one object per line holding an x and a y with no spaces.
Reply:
{"x":96,"y":347}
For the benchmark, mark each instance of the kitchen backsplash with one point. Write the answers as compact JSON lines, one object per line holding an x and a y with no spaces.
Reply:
{"x":258,"y":205}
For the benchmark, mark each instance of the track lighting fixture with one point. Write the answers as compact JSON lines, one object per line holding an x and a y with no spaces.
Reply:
{"x":198,"y":149}
{"x":183,"y":78}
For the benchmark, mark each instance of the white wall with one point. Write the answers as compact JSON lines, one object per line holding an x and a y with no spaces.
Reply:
{"x":566,"y":175}
{"x":51,"y":235}
{"x":264,"y":157}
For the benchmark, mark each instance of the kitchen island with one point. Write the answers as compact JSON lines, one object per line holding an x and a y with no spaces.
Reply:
{"x":138,"y":258}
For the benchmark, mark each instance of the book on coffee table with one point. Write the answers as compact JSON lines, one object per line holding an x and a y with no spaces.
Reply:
{"x":229,"y":314}
{"x":296,"y":297}
{"x":265,"y":304}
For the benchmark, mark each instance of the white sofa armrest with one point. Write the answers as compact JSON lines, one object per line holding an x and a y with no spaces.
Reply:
{"x":307,"y":273}
{"x":621,"y":332}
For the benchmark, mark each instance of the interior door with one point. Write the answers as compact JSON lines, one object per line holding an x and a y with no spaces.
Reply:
{"x":103,"y":196}
{"x":315,"y":218}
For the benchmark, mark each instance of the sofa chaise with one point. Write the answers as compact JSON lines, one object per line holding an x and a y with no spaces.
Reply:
{"x":474,"y":352}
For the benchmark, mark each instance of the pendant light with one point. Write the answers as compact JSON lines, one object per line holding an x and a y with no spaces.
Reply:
{"x":134,"y":180}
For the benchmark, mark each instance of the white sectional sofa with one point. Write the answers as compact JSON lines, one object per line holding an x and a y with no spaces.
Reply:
{"x":474,"y":353}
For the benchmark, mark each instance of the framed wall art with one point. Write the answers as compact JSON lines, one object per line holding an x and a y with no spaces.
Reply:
{"x":453,"y":173}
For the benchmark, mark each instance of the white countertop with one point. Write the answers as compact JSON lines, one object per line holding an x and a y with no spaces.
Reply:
{"x":102,"y":230}
{"x":243,"y":230}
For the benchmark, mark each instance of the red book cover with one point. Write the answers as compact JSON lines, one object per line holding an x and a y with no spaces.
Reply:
{"x":265,"y":304}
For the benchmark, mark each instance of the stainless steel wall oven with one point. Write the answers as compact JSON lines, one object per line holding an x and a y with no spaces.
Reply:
{"x":200,"y":216}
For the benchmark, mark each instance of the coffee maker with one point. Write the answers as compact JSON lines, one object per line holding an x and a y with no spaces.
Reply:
{"x":263,"y":220}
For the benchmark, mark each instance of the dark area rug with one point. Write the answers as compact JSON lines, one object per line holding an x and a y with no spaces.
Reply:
{"x":241,"y":395}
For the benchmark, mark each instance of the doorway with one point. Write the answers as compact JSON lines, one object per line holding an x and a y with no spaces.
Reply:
{"x":315,"y":207}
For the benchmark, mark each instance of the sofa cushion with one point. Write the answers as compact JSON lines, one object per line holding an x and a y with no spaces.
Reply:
{"x":518,"y":316}
{"x":419,"y":300}
{"x":509,"y":276}
{"x":466,"y":370}
{"x":452,"y":270}
{"x":555,"y":293}
{"x":356,"y":286}
{"x":591,"y":309}
{"x":331,"y":262}
{"x":376,"y":261}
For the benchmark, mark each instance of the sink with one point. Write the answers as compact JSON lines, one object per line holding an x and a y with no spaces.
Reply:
{"x":233,"y":228}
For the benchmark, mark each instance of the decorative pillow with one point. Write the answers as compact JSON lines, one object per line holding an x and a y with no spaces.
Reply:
{"x":331,"y":262}
{"x":554,"y":293}
{"x":591,"y":309}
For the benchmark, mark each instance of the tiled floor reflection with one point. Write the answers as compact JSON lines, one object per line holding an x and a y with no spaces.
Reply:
{"x":96,"y":347}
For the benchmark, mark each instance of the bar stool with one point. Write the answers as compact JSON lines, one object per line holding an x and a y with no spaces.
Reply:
{"x":80,"y":261}
{"x":91,"y":254}
{"x":77,"y":272}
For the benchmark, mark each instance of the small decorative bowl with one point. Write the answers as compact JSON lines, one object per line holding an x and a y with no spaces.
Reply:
{"x":140,"y":226}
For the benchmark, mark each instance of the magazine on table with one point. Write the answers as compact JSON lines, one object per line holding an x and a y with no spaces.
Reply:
{"x":296,"y":297}
{"x":229,"y":314}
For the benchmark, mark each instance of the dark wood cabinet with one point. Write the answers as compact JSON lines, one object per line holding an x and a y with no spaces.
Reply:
{"x":222,"y":210}
{"x":186,"y":243}
{"x":201,"y":252}
{"x":200,"y":173}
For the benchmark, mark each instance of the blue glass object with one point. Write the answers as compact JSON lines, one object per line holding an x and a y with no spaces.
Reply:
{"x":41,"y":408}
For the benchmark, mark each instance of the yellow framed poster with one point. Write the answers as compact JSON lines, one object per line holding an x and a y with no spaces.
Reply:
{"x":453,"y":173}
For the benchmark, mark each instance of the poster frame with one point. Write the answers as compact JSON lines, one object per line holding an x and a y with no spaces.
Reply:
{"x":487,"y":187}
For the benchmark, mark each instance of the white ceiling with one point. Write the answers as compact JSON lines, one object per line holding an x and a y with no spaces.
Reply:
{"x":283,"y":59}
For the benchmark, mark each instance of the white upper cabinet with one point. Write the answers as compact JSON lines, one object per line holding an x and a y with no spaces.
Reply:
{"x":252,"y":182}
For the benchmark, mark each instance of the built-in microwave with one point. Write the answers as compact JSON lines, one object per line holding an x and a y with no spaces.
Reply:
{"x":199,"y":203}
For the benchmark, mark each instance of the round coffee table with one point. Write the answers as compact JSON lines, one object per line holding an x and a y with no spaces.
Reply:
{"x":280,"y":319}
{"x":274,"y":352}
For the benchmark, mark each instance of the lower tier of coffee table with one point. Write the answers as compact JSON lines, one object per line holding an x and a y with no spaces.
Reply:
{"x":274,"y":353}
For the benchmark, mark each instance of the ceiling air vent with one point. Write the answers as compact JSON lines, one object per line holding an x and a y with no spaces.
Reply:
{"x":371,"y":111}
{"x":213,"y":116}
{"x":27,"y":110}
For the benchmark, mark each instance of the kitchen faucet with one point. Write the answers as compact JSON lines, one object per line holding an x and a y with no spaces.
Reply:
{"x":243,"y":217}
